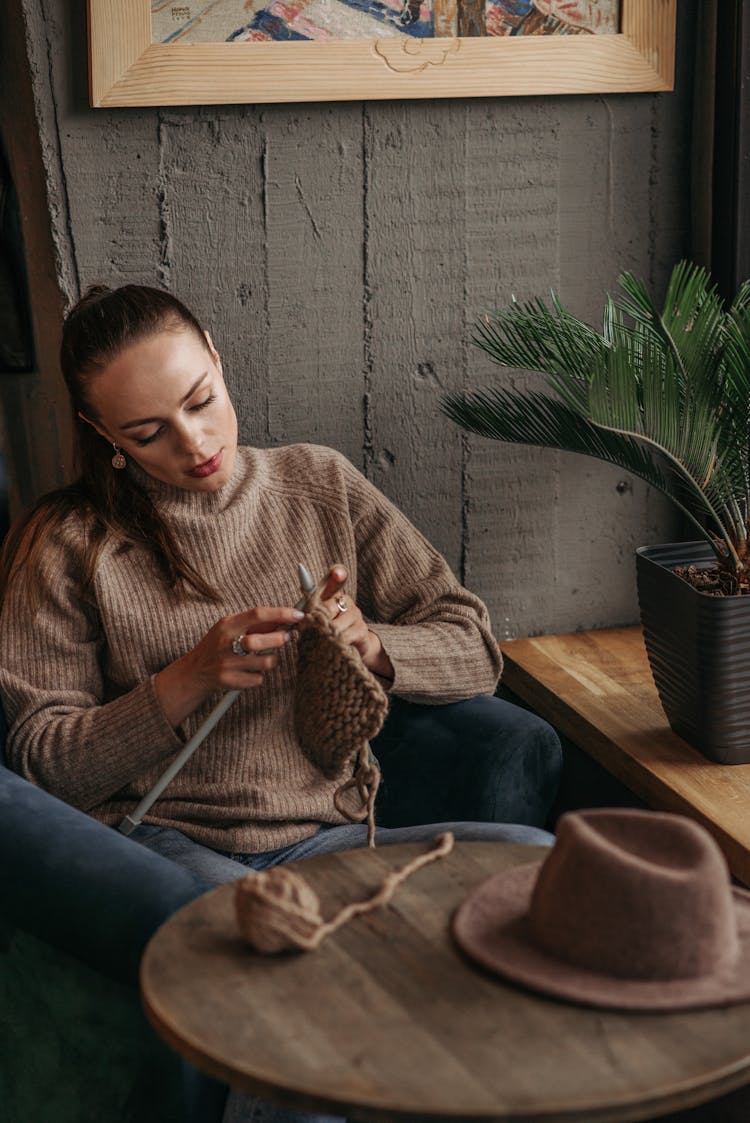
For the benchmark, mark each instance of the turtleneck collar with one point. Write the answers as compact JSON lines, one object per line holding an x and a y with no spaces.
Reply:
{"x":172,"y":499}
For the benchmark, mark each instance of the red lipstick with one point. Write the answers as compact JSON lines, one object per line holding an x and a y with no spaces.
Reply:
{"x":208,"y":467}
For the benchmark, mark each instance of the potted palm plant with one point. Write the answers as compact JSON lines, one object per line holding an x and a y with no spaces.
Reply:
{"x":664,"y":394}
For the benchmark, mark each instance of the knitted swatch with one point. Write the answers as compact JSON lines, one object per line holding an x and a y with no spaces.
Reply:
{"x":339,"y":706}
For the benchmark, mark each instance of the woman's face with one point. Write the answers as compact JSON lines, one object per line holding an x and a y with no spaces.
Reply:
{"x":164,"y":402}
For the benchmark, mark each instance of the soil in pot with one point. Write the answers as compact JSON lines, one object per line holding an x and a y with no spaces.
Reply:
{"x":714,"y":581}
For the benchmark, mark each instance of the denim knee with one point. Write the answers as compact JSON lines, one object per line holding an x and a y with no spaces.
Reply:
{"x":483,"y":759}
{"x":213,"y":866}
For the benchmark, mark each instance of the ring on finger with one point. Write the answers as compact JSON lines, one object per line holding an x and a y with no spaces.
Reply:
{"x":238,"y":648}
{"x":341,"y":605}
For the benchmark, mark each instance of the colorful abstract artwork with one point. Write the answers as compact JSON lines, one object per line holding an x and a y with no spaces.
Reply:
{"x":249,"y":21}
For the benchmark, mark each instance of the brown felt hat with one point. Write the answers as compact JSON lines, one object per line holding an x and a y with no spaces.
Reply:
{"x":632,"y":910}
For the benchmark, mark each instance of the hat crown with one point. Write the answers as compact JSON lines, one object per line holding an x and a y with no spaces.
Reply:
{"x":637,"y":895}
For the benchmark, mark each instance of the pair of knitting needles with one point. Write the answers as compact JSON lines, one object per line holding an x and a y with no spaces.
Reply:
{"x":130,"y":822}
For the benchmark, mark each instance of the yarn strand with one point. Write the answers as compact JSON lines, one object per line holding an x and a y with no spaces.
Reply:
{"x":383,"y":895}
{"x":278,"y":910}
{"x":367,"y":781}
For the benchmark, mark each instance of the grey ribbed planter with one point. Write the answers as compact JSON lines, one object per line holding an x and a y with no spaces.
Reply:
{"x":699,"y":650}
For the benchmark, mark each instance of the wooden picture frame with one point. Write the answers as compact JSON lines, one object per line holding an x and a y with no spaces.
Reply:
{"x":126,"y":68}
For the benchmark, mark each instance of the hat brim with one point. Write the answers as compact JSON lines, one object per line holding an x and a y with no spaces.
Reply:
{"x":490,"y":927}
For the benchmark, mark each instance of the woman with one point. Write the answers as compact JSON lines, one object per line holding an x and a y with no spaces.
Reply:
{"x":167,"y":574}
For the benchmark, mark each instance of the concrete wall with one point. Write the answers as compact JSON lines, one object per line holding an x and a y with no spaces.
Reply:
{"x":339,"y":254}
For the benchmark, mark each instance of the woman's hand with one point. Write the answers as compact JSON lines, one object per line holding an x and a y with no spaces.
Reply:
{"x":350,"y":624}
{"x":213,"y":665}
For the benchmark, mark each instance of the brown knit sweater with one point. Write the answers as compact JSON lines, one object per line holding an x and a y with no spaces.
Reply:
{"x":76,"y":675}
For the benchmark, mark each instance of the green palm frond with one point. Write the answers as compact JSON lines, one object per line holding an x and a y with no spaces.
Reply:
{"x":534,"y":419}
{"x":532,"y":337}
{"x":736,"y":357}
{"x":665,"y":393}
{"x":690,"y":329}
{"x":691,"y":321}
{"x":736,"y":405}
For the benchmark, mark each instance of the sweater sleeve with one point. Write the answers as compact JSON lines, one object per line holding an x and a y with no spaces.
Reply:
{"x":436,"y":633}
{"x":65,"y":734}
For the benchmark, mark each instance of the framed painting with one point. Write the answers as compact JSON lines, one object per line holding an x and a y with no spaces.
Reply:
{"x":204,"y":52}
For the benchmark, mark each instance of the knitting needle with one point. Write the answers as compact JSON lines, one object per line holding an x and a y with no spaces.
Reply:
{"x":130,"y":822}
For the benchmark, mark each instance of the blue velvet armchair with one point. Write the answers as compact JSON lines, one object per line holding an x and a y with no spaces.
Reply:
{"x":80,"y":901}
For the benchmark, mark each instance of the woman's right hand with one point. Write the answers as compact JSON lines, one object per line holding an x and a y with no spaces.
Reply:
{"x":212,"y":664}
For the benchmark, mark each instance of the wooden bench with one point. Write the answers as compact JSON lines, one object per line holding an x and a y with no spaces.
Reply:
{"x":596,"y":689}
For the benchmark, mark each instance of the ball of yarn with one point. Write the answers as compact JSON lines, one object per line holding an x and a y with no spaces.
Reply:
{"x":277,"y":911}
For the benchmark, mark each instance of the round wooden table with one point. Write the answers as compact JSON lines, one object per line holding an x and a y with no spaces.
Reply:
{"x":388,"y":1020}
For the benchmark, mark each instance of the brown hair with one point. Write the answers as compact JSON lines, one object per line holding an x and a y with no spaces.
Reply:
{"x":96,"y":330}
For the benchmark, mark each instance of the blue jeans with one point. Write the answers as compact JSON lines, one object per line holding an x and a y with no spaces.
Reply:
{"x":483,"y":769}
{"x":482,"y":760}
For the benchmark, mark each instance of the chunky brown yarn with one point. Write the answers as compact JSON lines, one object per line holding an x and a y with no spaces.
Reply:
{"x":277,"y":910}
{"x":339,"y":705}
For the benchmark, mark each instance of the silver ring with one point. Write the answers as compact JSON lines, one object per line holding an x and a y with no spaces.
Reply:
{"x":341,"y":604}
{"x":237,"y":648}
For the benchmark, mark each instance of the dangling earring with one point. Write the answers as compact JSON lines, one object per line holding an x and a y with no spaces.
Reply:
{"x":118,"y":460}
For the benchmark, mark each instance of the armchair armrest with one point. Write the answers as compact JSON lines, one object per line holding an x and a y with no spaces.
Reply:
{"x":81,"y":886}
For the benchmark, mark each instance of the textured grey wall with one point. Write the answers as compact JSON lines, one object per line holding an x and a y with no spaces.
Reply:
{"x":339,"y":255}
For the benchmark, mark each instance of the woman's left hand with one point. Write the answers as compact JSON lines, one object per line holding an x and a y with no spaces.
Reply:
{"x":350,"y":624}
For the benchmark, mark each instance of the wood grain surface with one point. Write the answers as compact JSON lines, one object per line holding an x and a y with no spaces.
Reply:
{"x":596,"y":688}
{"x":389,"y":1021}
{"x":125,"y":68}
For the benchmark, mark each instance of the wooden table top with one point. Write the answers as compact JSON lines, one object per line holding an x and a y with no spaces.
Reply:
{"x":388,"y":1021}
{"x":596,"y":688}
